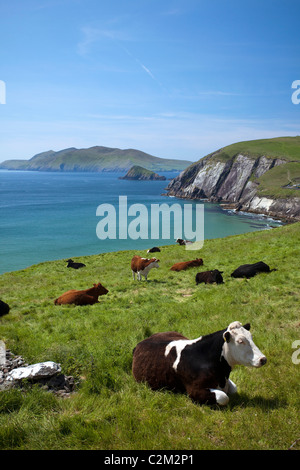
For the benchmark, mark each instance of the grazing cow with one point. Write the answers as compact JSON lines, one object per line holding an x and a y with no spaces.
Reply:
{"x":73,"y":265}
{"x":250,"y":270}
{"x":142,"y":266}
{"x":153,"y":250}
{"x":209,"y":277}
{"x":183,"y":242}
{"x":4,"y":308}
{"x":82,"y":297}
{"x":187,"y":264}
{"x":199,"y":367}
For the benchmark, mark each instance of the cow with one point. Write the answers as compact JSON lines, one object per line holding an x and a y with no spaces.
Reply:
{"x":198,"y":367}
{"x":73,"y":265}
{"x":4,"y":308}
{"x":183,"y":242}
{"x":187,"y":264}
{"x":142,"y":266}
{"x":250,"y":270}
{"x":153,"y":250}
{"x":82,"y":297}
{"x":209,"y":277}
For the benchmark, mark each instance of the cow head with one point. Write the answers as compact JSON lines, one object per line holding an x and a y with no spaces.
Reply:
{"x":239,"y":347}
{"x":154,"y":263}
{"x":100,"y":289}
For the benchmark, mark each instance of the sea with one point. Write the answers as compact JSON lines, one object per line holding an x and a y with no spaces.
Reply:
{"x":47,"y":216}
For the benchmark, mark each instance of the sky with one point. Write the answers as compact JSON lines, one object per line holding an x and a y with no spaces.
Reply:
{"x":173,"y":78}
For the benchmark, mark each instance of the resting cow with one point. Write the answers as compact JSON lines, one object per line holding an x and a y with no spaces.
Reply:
{"x":153,"y":250}
{"x":183,"y":242}
{"x":209,"y":277}
{"x":250,"y":270}
{"x":4,"y":308}
{"x":82,"y":297}
{"x":73,"y":265}
{"x":199,"y":367}
{"x":187,"y":264}
{"x":142,"y":266}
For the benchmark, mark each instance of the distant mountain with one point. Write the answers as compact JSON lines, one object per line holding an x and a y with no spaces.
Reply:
{"x":139,"y":173}
{"x":94,"y":159}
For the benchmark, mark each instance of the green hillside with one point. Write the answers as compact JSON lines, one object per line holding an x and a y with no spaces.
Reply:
{"x":94,"y":159}
{"x":285,"y":148}
{"x":94,"y":344}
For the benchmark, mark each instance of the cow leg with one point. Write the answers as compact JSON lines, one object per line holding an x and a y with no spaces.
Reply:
{"x":139,"y":277}
{"x":230,"y":388}
{"x":133,"y":275}
{"x":220,"y":397}
{"x":209,"y":396}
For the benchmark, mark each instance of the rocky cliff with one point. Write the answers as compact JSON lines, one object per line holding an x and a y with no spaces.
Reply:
{"x":235,"y":180}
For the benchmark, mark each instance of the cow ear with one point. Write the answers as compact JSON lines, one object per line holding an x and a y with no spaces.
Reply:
{"x":247,"y":326}
{"x":227,"y":336}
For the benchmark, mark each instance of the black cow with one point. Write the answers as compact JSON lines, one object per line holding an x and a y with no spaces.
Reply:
{"x":4,"y":308}
{"x":153,"y":250}
{"x":209,"y":277}
{"x":250,"y":270}
{"x":199,"y":367}
{"x":73,"y":265}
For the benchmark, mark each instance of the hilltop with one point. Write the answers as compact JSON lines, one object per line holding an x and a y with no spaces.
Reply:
{"x":94,"y":159}
{"x":261,"y":176}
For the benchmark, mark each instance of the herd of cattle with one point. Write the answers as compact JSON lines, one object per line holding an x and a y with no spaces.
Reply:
{"x":199,"y":367}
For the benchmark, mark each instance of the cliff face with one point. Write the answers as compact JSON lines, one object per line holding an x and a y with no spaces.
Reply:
{"x":235,"y":183}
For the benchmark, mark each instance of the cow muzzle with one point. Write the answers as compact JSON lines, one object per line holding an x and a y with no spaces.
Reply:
{"x":260,"y":362}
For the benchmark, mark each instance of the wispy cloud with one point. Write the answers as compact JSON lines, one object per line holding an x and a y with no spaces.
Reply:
{"x":94,"y":35}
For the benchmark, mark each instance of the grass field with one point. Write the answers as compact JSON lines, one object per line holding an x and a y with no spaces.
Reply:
{"x":94,"y":344}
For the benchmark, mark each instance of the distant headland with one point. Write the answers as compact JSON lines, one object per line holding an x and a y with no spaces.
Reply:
{"x":94,"y":159}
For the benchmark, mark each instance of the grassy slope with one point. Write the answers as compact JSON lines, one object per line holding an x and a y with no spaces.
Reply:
{"x":287,"y":148}
{"x":110,"y":410}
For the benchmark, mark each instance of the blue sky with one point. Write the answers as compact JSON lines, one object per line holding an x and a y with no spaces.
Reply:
{"x":176,"y":79}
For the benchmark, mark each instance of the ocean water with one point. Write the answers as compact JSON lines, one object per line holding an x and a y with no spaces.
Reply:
{"x":49,"y":216}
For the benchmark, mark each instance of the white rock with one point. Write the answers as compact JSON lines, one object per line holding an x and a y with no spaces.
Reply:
{"x":35,"y":371}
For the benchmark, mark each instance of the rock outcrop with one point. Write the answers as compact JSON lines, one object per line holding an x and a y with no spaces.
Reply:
{"x":137,"y":172}
{"x":234,"y":183}
{"x":14,"y":372}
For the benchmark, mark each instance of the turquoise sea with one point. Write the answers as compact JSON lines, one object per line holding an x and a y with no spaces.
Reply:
{"x":48,"y":216}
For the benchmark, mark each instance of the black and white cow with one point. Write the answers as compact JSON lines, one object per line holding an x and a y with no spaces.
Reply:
{"x":199,"y":367}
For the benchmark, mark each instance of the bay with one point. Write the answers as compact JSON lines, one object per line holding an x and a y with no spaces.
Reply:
{"x":48,"y":216}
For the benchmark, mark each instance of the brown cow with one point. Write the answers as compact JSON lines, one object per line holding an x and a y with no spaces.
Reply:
{"x":142,"y":266}
{"x":82,"y":297}
{"x":187,"y":264}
